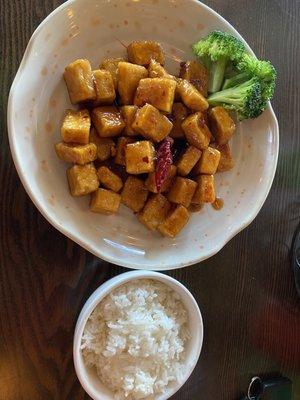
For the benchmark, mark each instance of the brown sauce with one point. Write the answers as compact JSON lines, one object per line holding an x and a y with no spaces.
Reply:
{"x":218,"y":204}
{"x":195,"y":207}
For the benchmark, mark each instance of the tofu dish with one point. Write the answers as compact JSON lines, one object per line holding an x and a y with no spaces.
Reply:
{"x":145,"y":138}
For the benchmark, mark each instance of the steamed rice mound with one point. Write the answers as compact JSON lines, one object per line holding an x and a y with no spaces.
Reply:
{"x":135,"y":338}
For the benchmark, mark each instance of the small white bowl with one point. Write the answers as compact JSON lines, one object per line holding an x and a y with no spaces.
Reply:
{"x":88,"y":377}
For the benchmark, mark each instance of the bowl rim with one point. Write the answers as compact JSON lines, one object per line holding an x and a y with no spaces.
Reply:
{"x":101,"y":252}
{"x":103,"y":290}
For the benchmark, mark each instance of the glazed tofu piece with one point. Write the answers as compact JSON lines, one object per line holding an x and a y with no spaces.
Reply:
{"x":188,"y":160}
{"x":196,"y":131}
{"x":105,"y":202}
{"x":76,"y":127}
{"x":129,"y":76}
{"x":156,"y":70}
{"x":208,"y":162}
{"x":82,"y":179}
{"x":143,"y":51}
{"x":106,"y":147}
{"x":159,"y":92}
{"x":151,"y":123}
{"x":205,"y":192}
{"x":222,"y":125}
{"x":128,"y":115}
{"x":175,"y":222}
{"x":196,"y":74}
{"x":226,"y":160}
{"x":104,"y":87}
{"x":79,"y":80}
{"x":111,"y":65}
{"x":76,"y":153}
{"x":108,"y":121}
{"x":151,"y":182}
{"x":182,"y":191}
{"x":139,"y":157}
{"x":109,"y":179}
{"x":134,"y":193}
{"x":190,"y":96}
{"x":123,"y":141}
{"x":179,"y":113}
{"x":155,"y":211}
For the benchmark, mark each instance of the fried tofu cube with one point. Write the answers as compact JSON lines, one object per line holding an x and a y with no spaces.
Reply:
{"x":76,"y":127}
{"x":190,"y":96}
{"x":139,"y":157}
{"x":179,"y":114}
{"x":79,"y":80}
{"x":205,"y":192}
{"x":129,"y":76}
{"x":108,"y":121}
{"x":150,"y":182}
{"x":105,"y":202}
{"x":134,"y":193}
{"x":174,"y":222}
{"x":159,"y":92}
{"x":111,"y":65}
{"x":155,"y":211}
{"x":106,"y":147}
{"x":196,"y":131}
{"x":182,"y":191}
{"x":208,"y":162}
{"x":196,"y":74}
{"x":143,"y":51}
{"x":188,"y":160}
{"x":109,"y":179}
{"x":104,"y":86}
{"x":151,"y":123}
{"x":76,"y":153}
{"x":82,"y":179}
{"x":226,"y":160}
{"x":123,"y":141}
{"x":222,"y":125}
{"x":128,"y":115}
{"x":156,"y":70}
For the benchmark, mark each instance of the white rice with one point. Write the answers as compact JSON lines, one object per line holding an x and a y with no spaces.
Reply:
{"x":135,"y":338}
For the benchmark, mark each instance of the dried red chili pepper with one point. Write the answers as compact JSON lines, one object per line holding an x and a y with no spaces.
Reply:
{"x":164,"y":162}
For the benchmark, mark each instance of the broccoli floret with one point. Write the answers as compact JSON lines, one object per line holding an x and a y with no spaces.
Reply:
{"x":250,"y":67}
{"x":216,"y":52}
{"x":249,"y":83}
{"x":244,"y":99}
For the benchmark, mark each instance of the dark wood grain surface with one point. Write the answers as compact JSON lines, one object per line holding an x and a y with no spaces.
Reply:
{"x":246,"y":293}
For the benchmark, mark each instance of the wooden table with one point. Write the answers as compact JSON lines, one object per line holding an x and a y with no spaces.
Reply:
{"x":246,"y":292}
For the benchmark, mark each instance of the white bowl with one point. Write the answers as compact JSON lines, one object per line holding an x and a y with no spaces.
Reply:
{"x":96,"y":29}
{"x":88,"y":377}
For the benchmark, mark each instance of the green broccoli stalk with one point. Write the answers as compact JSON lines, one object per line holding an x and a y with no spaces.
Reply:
{"x":249,"y":67}
{"x":244,"y":99}
{"x":235,"y":80}
{"x":216,"y":52}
